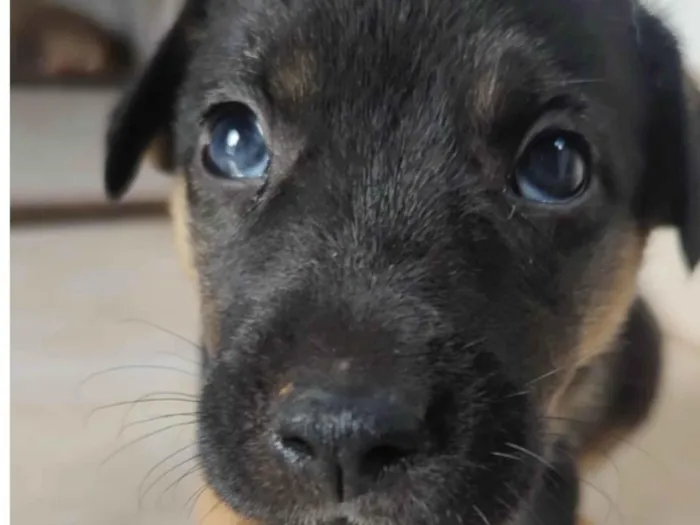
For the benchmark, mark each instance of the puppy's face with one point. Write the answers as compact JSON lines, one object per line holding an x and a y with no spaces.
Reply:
{"x":410,"y":222}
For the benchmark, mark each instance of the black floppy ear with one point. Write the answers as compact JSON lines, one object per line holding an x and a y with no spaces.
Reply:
{"x":690,"y":222}
{"x":671,"y":193}
{"x":142,"y":120}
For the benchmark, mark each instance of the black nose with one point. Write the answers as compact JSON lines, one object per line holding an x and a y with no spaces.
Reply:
{"x":342,"y":443}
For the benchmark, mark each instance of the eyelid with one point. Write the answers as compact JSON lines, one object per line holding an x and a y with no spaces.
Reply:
{"x":549,"y":121}
{"x":214,"y":110}
{"x":567,"y":121}
{"x":219,"y":98}
{"x":571,"y":122}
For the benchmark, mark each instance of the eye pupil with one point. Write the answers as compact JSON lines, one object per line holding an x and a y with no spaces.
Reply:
{"x":553,"y":169}
{"x":236,"y":148}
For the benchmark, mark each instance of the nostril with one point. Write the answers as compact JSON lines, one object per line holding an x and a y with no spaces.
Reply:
{"x":298,"y":446}
{"x":345,"y":443}
{"x":384,"y":457}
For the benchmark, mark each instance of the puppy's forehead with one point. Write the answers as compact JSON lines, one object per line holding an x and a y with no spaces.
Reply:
{"x":299,"y":48}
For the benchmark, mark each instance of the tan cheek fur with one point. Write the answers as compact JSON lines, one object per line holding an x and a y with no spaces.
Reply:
{"x":607,"y":309}
{"x":293,"y":78}
{"x":609,"y":306}
{"x":160,"y":153}
{"x":607,"y":312}
{"x":486,"y":97}
{"x":180,"y":217}
{"x":179,"y":213}
{"x":209,"y":509}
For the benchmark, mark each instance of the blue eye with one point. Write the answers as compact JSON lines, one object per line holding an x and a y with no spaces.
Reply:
{"x":553,"y":169}
{"x":236,"y":147}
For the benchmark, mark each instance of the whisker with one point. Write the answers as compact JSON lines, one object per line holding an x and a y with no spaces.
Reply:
{"x":552,"y":469}
{"x":505,"y":505}
{"x":191,"y":471}
{"x":128,"y":412}
{"x":193,"y":344}
{"x":474,"y":343}
{"x":142,"y":438}
{"x":142,"y":399}
{"x":568,"y":367}
{"x":165,"y":475}
{"x":179,"y":357}
{"x":481,"y":515}
{"x":94,"y":376}
{"x":531,"y":454}
{"x":609,"y":459}
{"x":191,"y":502}
{"x":564,"y":368}
{"x":213,"y":508}
{"x":155,"y":418}
{"x":546,"y":375}
{"x":527,"y":505}
{"x":620,"y":438}
{"x":517,"y":394}
{"x":608,"y":499}
{"x":576,"y":81}
{"x":505,"y":455}
{"x":142,"y":493}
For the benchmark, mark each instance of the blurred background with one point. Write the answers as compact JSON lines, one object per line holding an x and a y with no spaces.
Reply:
{"x":69,"y":60}
{"x":103,"y":370}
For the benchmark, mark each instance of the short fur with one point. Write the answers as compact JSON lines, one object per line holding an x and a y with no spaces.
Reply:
{"x":385,"y":238}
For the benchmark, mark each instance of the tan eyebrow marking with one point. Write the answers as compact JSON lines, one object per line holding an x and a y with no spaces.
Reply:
{"x":293,"y":77}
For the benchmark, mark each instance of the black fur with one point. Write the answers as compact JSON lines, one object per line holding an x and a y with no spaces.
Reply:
{"x":148,"y":108}
{"x":386,"y":237}
{"x":672,"y":189}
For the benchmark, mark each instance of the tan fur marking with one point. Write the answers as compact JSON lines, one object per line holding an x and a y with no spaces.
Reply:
{"x":609,"y":306}
{"x":159,"y":153}
{"x":180,"y":216}
{"x":286,"y":390}
{"x":210,"y":510}
{"x":491,"y":70}
{"x":486,"y":98}
{"x":210,"y":324}
{"x":607,"y":309}
{"x":293,"y":79}
{"x":598,"y":453}
{"x":179,"y":212}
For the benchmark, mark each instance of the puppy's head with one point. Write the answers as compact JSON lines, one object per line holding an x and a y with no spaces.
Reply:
{"x":409,"y":221}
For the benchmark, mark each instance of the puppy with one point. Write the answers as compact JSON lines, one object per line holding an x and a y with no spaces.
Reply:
{"x":415,"y":228}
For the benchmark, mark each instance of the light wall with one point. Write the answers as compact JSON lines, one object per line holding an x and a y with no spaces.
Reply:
{"x":684,"y":17}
